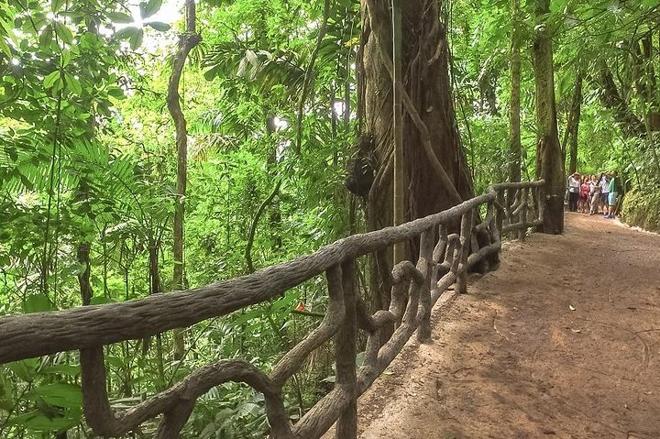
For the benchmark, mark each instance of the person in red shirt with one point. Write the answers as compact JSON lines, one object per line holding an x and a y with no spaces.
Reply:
{"x":583,"y":205}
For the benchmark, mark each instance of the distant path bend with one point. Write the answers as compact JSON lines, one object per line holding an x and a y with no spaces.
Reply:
{"x":563,"y":341}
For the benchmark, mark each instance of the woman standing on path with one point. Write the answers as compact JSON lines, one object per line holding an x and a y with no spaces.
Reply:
{"x":595,"y":195}
{"x":604,"y":192}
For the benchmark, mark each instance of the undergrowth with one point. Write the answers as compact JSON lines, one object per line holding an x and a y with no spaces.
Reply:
{"x":642,"y":208}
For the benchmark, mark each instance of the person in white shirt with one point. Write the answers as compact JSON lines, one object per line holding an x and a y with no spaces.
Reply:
{"x":604,"y":192}
{"x":573,"y":191}
{"x":594,"y":194}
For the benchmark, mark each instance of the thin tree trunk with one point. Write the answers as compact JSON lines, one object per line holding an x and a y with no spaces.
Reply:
{"x":571,"y":138}
{"x":275,"y":216}
{"x":397,"y":119}
{"x":549,"y":164}
{"x":187,"y":41}
{"x":155,"y":288}
{"x":612,"y":100}
{"x":84,"y":275}
{"x":307,"y":80}
{"x":515,"y":145}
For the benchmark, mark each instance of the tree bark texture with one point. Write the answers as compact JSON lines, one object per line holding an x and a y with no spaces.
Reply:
{"x":426,"y":84}
{"x":187,"y":41}
{"x":549,"y":164}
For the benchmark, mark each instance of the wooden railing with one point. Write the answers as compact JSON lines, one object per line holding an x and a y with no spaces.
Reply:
{"x":444,"y":259}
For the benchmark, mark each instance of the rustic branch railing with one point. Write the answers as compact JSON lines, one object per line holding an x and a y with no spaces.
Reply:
{"x":444,"y":259}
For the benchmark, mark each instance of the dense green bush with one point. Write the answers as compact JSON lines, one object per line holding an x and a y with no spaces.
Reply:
{"x":642,"y":208}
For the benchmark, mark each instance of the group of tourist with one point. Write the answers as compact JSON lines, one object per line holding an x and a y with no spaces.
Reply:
{"x":593,"y":195}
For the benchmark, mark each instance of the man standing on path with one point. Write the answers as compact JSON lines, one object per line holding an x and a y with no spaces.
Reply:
{"x":573,"y":191}
{"x":604,"y":192}
{"x":613,"y":191}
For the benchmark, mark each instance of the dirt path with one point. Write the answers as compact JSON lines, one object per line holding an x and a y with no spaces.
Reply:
{"x":545,"y":347}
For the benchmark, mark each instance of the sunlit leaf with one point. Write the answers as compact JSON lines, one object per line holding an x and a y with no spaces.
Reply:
{"x":50,"y":79}
{"x":63,"y":32}
{"x":158,"y":25}
{"x":149,"y":8}
{"x":120,"y":17}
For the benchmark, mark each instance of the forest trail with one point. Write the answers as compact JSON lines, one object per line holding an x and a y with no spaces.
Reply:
{"x":545,"y":347}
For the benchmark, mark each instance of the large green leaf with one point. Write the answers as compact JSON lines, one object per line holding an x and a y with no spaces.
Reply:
{"x":73,"y":84}
{"x":149,"y":8}
{"x":63,"y":32}
{"x":120,"y":17}
{"x":56,"y":5}
{"x":136,"y":39}
{"x":50,"y":78}
{"x":59,"y":395}
{"x":62,"y":369}
{"x":36,"y":303}
{"x":39,"y":421}
{"x":126,"y":32}
{"x":25,"y":369}
{"x":159,"y":26}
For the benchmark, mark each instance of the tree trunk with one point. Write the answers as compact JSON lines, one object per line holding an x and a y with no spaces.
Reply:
{"x":155,"y":288}
{"x":275,"y":215}
{"x":427,"y":153}
{"x":571,"y":137}
{"x":84,"y":275}
{"x":399,"y":196}
{"x":187,"y":41}
{"x":612,"y":100}
{"x":549,"y":164}
{"x":154,"y":269}
{"x":515,"y":145}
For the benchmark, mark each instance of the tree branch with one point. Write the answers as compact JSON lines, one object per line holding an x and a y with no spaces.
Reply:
{"x":253,"y":226}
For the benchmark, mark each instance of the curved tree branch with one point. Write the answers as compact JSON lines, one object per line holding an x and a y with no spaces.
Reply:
{"x":176,"y":402}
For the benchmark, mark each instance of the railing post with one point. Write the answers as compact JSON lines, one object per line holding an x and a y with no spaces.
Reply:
{"x":438,"y":254}
{"x":523,"y":212}
{"x":539,"y":204}
{"x":500,"y":211}
{"x":426,"y":266}
{"x":466,"y":230}
{"x":513,"y":216}
{"x":346,"y":351}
